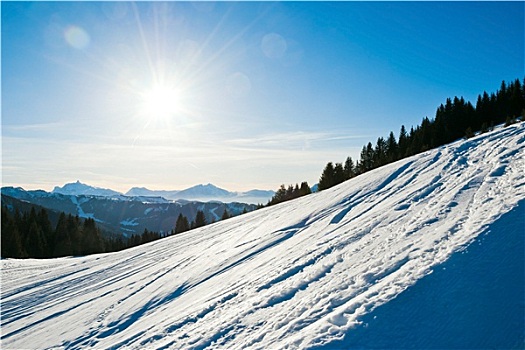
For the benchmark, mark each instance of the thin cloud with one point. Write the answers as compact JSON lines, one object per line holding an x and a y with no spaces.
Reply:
{"x":293,"y":140}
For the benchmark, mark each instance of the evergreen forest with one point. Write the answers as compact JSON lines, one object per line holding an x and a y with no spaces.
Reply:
{"x":31,"y":234}
{"x":454,"y":119}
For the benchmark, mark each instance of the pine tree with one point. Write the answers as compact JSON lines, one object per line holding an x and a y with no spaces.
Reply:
{"x":134,"y":241}
{"x":11,"y":241}
{"x":367,"y":158}
{"x":425,"y":135}
{"x":149,"y":236}
{"x":200,"y":219}
{"x":339,"y":174}
{"x":379,"y":154}
{"x":483,"y":109}
{"x":289,"y":193}
{"x":391,"y":148}
{"x":91,"y":240}
{"x":47,"y":231}
{"x":296,"y":192}
{"x":516,"y":99}
{"x":63,"y":245}
{"x":182,"y":224}
{"x":74,"y":229}
{"x":34,"y":241}
{"x":349,"y":169}
{"x":225,"y":215}
{"x":502,"y":105}
{"x":403,"y":141}
{"x":35,"y":244}
{"x":357,"y":168}
{"x":305,"y":189}
{"x":415,"y":142}
{"x":279,"y":196}
{"x":327,"y":177}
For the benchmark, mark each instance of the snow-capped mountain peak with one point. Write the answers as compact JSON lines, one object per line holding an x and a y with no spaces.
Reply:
{"x":207,"y":190}
{"x":77,"y":188}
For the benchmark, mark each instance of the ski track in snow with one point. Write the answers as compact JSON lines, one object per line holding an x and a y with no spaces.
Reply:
{"x":295,"y":275}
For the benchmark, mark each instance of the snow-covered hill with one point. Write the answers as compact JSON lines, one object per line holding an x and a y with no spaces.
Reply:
{"x":301,"y":274}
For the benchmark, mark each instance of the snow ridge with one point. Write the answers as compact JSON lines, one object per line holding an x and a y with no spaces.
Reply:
{"x":296,"y":275}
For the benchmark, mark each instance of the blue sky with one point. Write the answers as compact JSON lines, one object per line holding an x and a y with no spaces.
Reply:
{"x":240,"y":94}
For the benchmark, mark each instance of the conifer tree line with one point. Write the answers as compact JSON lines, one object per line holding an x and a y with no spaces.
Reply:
{"x":31,"y":234}
{"x":454,"y":119}
{"x":182,"y":224}
{"x":284,"y":193}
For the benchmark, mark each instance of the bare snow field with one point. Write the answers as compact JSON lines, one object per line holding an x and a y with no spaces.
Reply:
{"x":297,"y":275}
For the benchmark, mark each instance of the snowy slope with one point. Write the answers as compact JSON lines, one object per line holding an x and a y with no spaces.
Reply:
{"x":296,"y":275}
{"x":474,"y":300}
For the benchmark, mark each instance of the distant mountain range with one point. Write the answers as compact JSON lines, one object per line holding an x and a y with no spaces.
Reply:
{"x":203,"y":193}
{"x":138,"y":209}
{"x":118,"y":213}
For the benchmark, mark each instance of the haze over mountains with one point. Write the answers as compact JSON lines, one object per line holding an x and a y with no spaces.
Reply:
{"x":139,"y":208}
{"x":120,"y":214}
{"x":419,"y":250}
{"x":203,"y":193}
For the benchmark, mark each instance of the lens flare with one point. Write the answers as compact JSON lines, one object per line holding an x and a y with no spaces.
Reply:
{"x":77,"y":37}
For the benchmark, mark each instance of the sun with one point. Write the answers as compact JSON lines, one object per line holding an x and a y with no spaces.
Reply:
{"x":160,"y":102}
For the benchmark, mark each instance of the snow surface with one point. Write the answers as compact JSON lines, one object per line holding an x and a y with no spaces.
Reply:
{"x":300,"y":274}
{"x":474,"y":300}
